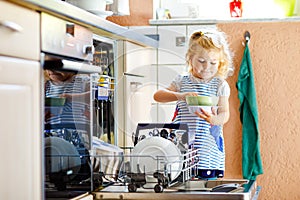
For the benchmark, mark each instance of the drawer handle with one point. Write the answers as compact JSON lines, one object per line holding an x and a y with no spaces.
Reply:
{"x":11,"y":25}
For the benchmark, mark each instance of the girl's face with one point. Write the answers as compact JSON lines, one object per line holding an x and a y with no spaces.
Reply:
{"x":58,"y":76}
{"x":205,"y":64}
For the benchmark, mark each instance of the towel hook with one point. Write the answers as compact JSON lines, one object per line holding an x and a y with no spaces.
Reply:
{"x":247,"y":36}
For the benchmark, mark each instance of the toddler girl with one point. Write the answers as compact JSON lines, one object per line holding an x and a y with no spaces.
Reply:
{"x":209,"y":61}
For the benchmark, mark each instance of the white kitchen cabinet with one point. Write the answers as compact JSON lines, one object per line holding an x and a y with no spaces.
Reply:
{"x":19,"y":31}
{"x":20,"y":104}
{"x":21,"y":132}
{"x":139,"y":82}
{"x":172,"y":44}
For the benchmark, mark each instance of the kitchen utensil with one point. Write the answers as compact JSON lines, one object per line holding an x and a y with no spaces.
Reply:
{"x":155,"y":153}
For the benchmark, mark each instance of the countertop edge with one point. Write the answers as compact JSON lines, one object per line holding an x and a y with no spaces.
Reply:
{"x":97,"y":24}
{"x":203,"y":21}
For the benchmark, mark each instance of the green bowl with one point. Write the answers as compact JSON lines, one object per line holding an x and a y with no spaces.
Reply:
{"x":192,"y":100}
{"x":55,"y":101}
{"x":201,"y":101}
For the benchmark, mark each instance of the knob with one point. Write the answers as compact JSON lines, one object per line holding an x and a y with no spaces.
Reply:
{"x":88,"y":49}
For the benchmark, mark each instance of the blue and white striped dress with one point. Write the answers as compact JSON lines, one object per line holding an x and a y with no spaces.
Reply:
{"x":210,"y":148}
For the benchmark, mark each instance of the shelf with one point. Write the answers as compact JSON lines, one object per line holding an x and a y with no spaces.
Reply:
{"x":207,"y":21}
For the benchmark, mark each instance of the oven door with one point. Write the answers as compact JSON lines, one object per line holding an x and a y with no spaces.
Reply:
{"x":68,"y":125}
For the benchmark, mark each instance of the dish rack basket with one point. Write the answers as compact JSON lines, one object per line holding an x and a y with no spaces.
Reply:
{"x":116,"y":169}
{"x":162,"y":177}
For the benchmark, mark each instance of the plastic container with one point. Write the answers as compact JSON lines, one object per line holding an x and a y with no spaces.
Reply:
{"x":236,"y":8}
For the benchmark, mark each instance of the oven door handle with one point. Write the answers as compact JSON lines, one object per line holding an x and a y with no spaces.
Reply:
{"x":80,"y":67}
{"x":68,"y":65}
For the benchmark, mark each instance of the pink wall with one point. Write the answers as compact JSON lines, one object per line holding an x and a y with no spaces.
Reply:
{"x":275,"y":52}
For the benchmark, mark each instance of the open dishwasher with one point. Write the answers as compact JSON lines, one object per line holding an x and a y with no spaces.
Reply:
{"x":162,"y":165}
{"x":155,"y":162}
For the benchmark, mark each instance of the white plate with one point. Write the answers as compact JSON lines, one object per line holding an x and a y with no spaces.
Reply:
{"x":151,"y":154}
{"x":101,"y":13}
{"x":208,"y":109}
{"x":61,"y":155}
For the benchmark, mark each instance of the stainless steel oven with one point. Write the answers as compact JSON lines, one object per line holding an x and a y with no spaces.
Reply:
{"x":78,"y":104}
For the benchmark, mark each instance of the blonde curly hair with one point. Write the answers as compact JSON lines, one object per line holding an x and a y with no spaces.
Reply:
{"x":211,"y":41}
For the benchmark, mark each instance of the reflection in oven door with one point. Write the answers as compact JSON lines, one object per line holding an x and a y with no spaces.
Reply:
{"x":67,"y":56}
{"x":67,"y":125}
{"x":78,"y":105}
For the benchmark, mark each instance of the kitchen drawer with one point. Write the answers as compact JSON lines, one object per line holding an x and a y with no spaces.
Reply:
{"x":19,"y":31}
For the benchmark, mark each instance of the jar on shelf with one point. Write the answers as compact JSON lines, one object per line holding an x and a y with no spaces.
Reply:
{"x":236,"y":8}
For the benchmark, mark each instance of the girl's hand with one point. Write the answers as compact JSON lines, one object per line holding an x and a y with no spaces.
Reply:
{"x":185,"y":94}
{"x":48,"y":115}
{"x":206,"y":115}
{"x":67,"y":96}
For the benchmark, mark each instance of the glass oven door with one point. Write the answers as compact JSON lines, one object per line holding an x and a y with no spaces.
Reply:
{"x":68,"y":125}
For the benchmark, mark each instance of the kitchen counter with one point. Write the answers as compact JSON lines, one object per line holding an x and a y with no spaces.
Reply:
{"x":97,"y":24}
{"x":203,"y":21}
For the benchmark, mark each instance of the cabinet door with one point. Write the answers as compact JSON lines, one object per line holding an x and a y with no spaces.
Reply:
{"x":20,"y":128}
{"x":19,"y":31}
{"x":172,"y":44}
{"x":166,"y":74}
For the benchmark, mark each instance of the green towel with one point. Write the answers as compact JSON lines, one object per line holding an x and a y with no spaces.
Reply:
{"x":251,"y":160}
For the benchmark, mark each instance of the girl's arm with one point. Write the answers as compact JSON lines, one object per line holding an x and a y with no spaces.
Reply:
{"x":170,"y":94}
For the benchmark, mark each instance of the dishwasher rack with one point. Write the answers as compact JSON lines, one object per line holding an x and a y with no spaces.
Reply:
{"x":135,"y":177}
{"x":161,"y":178}
{"x":108,"y":170}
